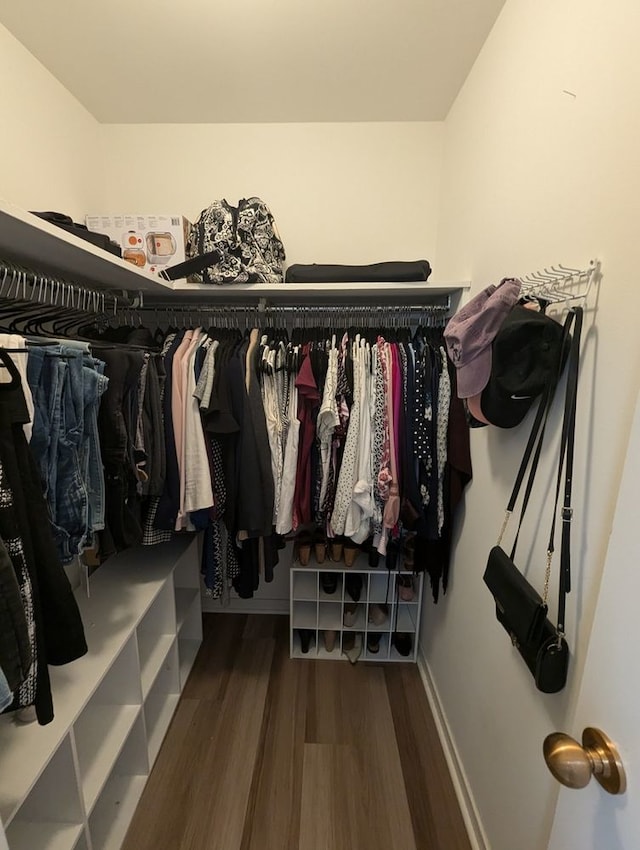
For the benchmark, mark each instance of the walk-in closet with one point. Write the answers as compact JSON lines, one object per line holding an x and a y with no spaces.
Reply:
{"x":318,"y":426}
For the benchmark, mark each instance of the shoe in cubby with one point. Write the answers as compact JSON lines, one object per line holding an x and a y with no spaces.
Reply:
{"x":351,"y":552}
{"x":378,"y":616}
{"x":352,"y":645}
{"x":403,"y":644}
{"x":307,"y":640}
{"x":405,"y":586}
{"x":377,"y":646}
{"x":330,"y":583}
{"x":354,"y":616}
{"x":331,"y":638}
{"x":354,"y":584}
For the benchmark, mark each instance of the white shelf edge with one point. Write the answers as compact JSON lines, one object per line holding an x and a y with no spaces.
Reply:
{"x":43,"y":835}
{"x":296,"y":293}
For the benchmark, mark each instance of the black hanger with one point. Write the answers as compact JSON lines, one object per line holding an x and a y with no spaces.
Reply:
{"x":12,"y":369}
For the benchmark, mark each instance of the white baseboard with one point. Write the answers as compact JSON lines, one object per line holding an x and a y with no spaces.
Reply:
{"x":470,"y":813}
{"x":246,"y":606}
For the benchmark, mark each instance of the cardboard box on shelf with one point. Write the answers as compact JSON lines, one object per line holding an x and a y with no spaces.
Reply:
{"x":151,"y":242}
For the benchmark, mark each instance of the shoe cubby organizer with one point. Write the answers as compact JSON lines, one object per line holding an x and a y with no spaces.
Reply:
{"x":75,"y":783}
{"x":327,"y":623}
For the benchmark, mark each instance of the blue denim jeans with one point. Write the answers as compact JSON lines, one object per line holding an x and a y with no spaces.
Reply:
{"x":72,"y":500}
{"x":44,"y":382}
{"x":95,"y":384}
{"x":66,"y":391}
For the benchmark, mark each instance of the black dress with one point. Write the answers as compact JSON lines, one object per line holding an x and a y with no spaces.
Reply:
{"x":55,"y":628}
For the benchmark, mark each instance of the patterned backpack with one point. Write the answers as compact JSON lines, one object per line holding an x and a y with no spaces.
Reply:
{"x":231,"y":244}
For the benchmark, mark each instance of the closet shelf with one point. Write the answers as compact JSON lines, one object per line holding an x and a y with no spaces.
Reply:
{"x":37,"y":244}
{"x":374,"y":294}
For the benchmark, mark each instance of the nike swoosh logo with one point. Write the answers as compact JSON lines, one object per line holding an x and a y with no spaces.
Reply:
{"x":520,"y":397}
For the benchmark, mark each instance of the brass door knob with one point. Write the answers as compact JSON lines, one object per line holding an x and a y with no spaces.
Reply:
{"x":574,"y":765}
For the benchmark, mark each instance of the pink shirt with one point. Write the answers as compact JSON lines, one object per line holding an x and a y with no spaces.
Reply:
{"x":178,"y":401}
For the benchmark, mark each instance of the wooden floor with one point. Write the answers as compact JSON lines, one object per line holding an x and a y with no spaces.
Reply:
{"x":266,"y":753}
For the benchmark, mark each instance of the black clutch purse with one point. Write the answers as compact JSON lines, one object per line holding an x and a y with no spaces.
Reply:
{"x":519,"y":607}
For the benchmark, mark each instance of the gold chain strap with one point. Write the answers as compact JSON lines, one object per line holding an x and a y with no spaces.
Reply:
{"x":507,"y":514}
{"x":547,"y":577}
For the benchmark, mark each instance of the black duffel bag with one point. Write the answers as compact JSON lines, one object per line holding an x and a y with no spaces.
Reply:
{"x":394,"y":272}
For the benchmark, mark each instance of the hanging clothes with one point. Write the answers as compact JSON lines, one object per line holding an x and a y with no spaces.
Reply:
{"x":247,"y":437}
{"x":54,"y":627}
{"x":371,"y":445}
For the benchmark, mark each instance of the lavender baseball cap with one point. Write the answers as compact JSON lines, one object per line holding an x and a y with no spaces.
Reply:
{"x":469,"y":334}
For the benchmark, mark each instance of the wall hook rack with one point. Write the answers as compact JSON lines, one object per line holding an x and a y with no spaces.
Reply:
{"x":561,"y":283}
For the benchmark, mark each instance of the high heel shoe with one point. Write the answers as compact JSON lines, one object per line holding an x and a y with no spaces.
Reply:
{"x":320,"y":545}
{"x":303,"y":547}
{"x":405,"y":588}
{"x":351,"y":552}
{"x":335,"y":548}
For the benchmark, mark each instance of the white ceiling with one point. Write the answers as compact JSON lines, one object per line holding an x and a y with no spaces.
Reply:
{"x":191,"y":61}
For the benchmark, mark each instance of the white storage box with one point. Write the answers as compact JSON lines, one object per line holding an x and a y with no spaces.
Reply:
{"x":151,"y":242}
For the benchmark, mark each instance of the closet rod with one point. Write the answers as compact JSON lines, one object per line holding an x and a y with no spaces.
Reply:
{"x":19,"y":283}
{"x":561,"y":283}
{"x":302,"y":315}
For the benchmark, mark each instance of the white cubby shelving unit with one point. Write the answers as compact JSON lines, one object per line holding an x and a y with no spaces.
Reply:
{"x":317,"y":611}
{"x":75,"y":783}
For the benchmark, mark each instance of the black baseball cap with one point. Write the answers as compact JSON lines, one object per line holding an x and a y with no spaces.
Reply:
{"x":528,"y":355}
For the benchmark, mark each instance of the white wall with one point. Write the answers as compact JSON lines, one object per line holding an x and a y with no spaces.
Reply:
{"x":535,"y":176}
{"x":340,"y":193}
{"x":49,"y":148}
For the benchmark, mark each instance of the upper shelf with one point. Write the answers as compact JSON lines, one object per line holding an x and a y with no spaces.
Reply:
{"x":416,"y":292}
{"x":43,"y":247}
